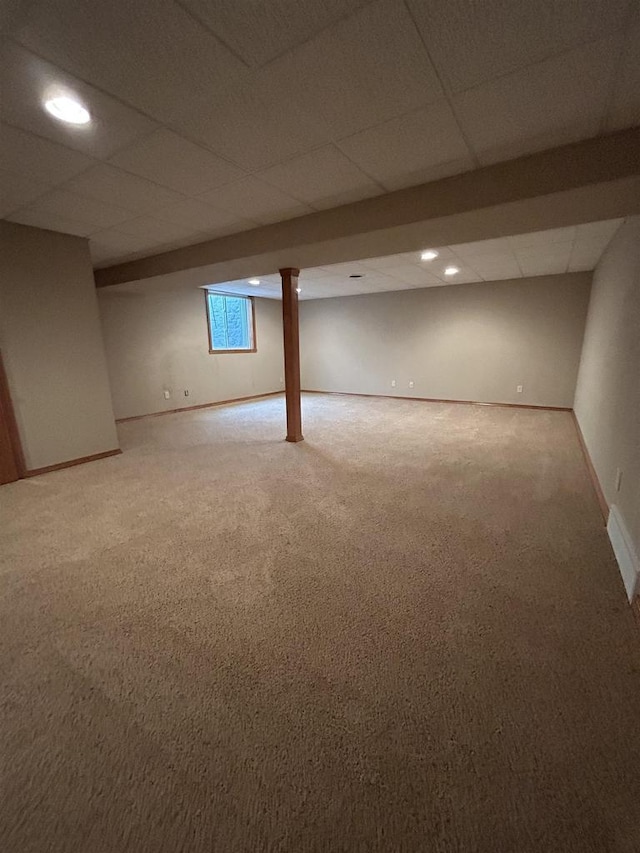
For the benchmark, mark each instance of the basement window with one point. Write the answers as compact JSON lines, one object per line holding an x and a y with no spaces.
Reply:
{"x":231,"y":323}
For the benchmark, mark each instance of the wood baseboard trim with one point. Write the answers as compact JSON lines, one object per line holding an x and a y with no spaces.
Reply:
{"x":439,"y":400}
{"x":199,"y":406}
{"x":602,"y":501}
{"x":35,"y":472}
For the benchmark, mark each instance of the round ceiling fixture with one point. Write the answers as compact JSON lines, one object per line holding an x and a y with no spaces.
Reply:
{"x":254,"y":281}
{"x":452,"y":271}
{"x":67,"y":110}
{"x":428,"y":255}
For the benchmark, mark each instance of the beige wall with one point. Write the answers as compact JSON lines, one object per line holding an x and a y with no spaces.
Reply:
{"x":156,"y":339}
{"x":52,"y":346}
{"x":459,"y":342}
{"x":608,"y":391}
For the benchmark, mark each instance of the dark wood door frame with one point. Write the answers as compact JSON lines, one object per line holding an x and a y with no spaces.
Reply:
{"x":12,"y":465}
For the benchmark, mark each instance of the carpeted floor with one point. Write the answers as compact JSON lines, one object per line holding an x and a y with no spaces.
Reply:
{"x":407,"y":633}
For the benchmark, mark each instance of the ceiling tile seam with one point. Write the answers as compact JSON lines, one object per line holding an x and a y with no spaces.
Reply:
{"x":359,"y":168}
{"x":633,"y":11}
{"x":571,"y":251}
{"x":445,"y":89}
{"x":316,"y":35}
{"x":23,"y":207}
{"x":160,"y":125}
{"x":52,"y":190}
{"x":196,"y":19}
{"x":554,"y":55}
{"x":196,"y":197}
{"x":117,"y":168}
{"x":515,"y":257}
{"x":259,"y":176}
{"x":83,"y":80}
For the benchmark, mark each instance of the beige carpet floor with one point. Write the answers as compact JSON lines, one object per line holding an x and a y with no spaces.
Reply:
{"x":407,"y":633}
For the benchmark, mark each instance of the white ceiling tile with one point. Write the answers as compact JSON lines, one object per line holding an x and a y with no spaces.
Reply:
{"x":492,"y":268}
{"x":322,"y":178}
{"x":259,"y":32}
{"x":584,"y":257}
{"x":16,"y":191}
{"x":591,"y":239}
{"x":465,"y":275}
{"x":411,"y":149}
{"x":345,"y":269}
{"x":471,"y":43}
{"x":412,"y":274}
{"x":26,"y":81}
{"x":601,"y":232}
{"x":174,"y":162}
{"x":499,"y":246}
{"x":69,"y":206}
{"x":253,"y":199}
{"x":51,"y":222}
{"x":536,"y":239}
{"x":369,"y":68}
{"x":148,"y":227}
{"x":110,"y":245}
{"x":624,"y":110}
{"x":555,"y":102}
{"x":113,"y":186}
{"x":22,"y":153}
{"x":258,"y":123}
{"x":196,"y":214}
{"x":388,"y":261}
{"x":544,"y":259}
{"x":150,"y":53}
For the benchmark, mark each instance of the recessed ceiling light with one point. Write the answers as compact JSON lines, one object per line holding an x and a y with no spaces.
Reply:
{"x":451,"y":270}
{"x":428,"y":255}
{"x":298,"y":290}
{"x":66,"y":109}
{"x":254,"y":281}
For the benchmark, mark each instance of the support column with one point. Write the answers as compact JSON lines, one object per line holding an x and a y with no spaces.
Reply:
{"x":290,"y":326}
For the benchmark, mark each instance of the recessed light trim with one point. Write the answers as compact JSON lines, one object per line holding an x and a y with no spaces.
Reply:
{"x":68,"y":110}
{"x":429,"y":255}
{"x":451,"y":270}
{"x":254,"y":281}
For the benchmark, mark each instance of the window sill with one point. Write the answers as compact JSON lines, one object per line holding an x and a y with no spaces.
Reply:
{"x":225,"y":351}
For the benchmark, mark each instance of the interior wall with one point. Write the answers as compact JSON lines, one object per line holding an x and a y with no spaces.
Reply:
{"x":156,"y":340}
{"x":608,"y":391}
{"x":459,"y":342}
{"x":51,"y":342}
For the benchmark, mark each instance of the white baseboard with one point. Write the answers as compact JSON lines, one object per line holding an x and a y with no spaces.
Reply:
{"x":624,"y":551}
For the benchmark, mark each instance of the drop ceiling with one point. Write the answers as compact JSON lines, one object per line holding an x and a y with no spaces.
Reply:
{"x":558,"y":250}
{"x":211,"y":118}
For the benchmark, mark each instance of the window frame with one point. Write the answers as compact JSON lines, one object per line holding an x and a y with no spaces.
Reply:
{"x":250,"y":299}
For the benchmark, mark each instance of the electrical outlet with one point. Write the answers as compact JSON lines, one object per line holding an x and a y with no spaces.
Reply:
{"x":519,"y":389}
{"x":167,"y":394}
{"x":186,"y":392}
{"x":618,"y":479}
{"x":393,"y":383}
{"x":411,"y":384}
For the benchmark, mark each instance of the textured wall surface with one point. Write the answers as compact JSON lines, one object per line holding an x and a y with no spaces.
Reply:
{"x":608,"y":392}
{"x":52,"y":346}
{"x":459,"y":342}
{"x":156,"y":340}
